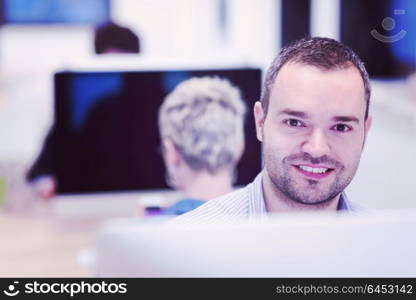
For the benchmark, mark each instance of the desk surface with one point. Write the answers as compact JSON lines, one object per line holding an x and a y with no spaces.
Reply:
{"x":42,"y":245}
{"x":49,"y":239}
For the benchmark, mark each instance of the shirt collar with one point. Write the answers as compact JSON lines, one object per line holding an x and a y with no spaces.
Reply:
{"x":344,"y":204}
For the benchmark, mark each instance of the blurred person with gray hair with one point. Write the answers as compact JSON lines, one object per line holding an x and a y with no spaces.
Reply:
{"x":201,"y":124}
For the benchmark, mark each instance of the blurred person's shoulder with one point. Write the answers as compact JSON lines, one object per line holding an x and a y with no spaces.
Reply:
{"x":230,"y":206}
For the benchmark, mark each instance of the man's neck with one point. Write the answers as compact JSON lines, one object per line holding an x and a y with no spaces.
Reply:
{"x":205,"y":186}
{"x":276,"y":201}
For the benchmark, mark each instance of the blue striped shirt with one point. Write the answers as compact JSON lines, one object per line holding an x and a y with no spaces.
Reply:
{"x":247,"y":202}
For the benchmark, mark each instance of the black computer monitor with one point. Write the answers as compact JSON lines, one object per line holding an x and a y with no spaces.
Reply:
{"x":106,"y":128}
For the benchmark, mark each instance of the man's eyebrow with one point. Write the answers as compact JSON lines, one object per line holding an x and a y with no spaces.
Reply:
{"x":295,"y":113}
{"x":346,"y":119}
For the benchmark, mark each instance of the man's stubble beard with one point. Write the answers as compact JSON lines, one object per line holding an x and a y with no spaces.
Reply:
{"x":287,"y":187}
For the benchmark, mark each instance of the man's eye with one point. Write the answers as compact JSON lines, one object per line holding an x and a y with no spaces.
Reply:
{"x":293,"y":123}
{"x":342,"y":128}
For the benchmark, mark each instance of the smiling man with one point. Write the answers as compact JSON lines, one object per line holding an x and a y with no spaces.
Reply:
{"x":313,"y":120}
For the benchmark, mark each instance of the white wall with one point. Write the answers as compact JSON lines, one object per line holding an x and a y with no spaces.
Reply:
{"x":190,"y":29}
{"x":179,"y":28}
{"x":254,"y":29}
{"x":325,"y":18}
{"x":29,"y":55}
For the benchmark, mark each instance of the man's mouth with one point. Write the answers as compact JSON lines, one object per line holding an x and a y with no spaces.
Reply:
{"x":316,"y":172}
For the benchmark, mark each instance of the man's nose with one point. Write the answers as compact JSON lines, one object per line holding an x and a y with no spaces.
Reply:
{"x":316,"y":144}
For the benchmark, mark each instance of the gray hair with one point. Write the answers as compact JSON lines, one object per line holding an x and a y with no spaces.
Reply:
{"x":323,"y":53}
{"x":204,"y":118}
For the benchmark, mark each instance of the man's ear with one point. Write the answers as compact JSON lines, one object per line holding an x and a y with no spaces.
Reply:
{"x":171,"y":155}
{"x":259,"y":120}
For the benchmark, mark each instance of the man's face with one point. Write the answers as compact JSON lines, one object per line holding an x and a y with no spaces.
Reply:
{"x":314,"y":131}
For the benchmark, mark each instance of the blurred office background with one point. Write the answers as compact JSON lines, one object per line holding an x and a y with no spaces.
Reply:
{"x":41,"y":37}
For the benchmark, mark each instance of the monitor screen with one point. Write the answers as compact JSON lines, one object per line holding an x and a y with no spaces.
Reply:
{"x":106,"y":128}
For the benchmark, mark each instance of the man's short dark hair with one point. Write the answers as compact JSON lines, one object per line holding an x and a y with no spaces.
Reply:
{"x":323,"y":53}
{"x":111,"y":36}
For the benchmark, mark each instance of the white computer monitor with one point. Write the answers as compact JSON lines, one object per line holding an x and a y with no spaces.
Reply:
{"x":378,"y":244}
